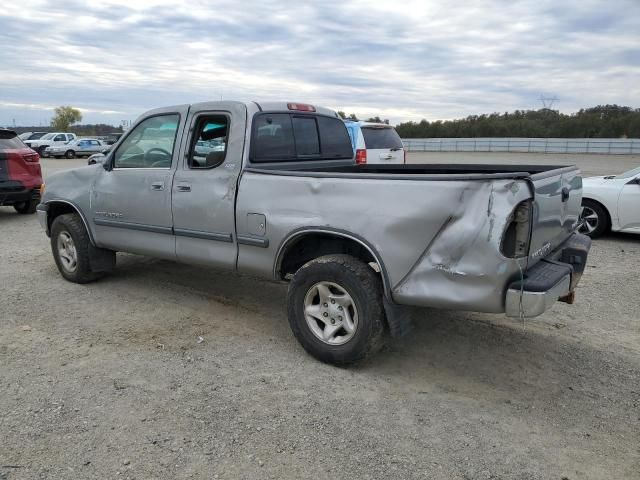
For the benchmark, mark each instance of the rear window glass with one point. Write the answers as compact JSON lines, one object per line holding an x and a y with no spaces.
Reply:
{"x":9,"y":141}
{"x":334,"y":138}
{"x":381,"y":138}
{"x":283,"y":136}
{"x":306,"y":136}
{"x":273,"y":138}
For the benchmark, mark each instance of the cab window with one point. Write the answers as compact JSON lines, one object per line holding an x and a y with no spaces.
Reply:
{"x":288,"y":137}
{"x":150,"y":144}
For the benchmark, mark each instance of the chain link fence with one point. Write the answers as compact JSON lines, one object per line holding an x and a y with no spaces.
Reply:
{"x":607,"y":146}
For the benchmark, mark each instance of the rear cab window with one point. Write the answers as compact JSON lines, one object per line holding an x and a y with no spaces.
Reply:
{"x":278,"y":137}
{"x":381,"y":138}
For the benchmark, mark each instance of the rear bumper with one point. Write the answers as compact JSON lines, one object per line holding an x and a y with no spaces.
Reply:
{"x":551,"y":279}
{"x":12,"y":192}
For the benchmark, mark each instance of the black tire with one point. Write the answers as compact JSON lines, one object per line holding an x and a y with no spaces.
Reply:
{"x":364,"y":287}
{"x":601,"y":225}
{"x":71,"y":224}
{"x":41,"y":150}
{"x":70,"y":154}
{"x":26,"y":208}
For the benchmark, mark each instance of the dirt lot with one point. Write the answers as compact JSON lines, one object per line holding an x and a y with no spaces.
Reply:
{"x":109,"y":380}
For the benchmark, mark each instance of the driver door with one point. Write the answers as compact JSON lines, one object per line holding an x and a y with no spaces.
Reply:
{"x":131,"y":199}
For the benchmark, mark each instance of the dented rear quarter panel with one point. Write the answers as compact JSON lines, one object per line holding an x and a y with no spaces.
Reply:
{"x":438,"y":240}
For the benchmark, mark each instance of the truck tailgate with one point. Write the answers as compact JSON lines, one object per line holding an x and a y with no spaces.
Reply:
{"x":556,"y":209}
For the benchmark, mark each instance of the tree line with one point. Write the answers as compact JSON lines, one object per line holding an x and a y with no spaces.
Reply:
{"x":603,"y":121}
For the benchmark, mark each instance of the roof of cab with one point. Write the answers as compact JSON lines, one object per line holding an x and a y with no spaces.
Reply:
{"x":284,"y":107}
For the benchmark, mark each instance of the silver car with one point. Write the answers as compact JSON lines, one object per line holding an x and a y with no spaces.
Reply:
{"x":76,"y":148}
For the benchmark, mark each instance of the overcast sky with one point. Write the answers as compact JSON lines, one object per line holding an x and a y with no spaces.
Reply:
{"x":402,"y":60}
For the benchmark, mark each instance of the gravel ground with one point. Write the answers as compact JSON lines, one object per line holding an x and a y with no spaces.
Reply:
{"x":110,"y":380}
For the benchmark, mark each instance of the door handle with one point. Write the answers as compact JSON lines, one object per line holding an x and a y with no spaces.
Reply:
{"x":183,"y":187}
{"x":158,"y":186}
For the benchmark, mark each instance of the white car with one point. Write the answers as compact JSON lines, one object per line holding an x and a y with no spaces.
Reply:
{"x":611,"y":203}
{"x":49,"y":140}
{"x":375,"y":143}
{"x":76,"y":148}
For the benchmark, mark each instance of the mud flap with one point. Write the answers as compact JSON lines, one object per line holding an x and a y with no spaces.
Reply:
{"x":398,"y":318}
{"x":101,"y":260}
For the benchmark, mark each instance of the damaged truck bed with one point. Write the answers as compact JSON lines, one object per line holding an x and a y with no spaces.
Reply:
{"x":272,"y":190}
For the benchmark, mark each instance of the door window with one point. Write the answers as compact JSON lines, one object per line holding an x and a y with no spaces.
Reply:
{"x":210,"y":142}
{"x":150,"y":144}
{"x":60,"y":138}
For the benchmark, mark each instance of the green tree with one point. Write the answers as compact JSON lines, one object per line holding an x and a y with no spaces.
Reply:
{"x":65,"y":116}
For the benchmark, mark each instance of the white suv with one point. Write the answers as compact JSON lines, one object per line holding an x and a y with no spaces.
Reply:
{"x":375,"y":143}
{"x":50,"y":140}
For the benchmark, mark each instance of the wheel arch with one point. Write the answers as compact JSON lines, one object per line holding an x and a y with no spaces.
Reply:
{"x":60,"y":207}
{"x":603,"y":205}
{"x":294,"y":251}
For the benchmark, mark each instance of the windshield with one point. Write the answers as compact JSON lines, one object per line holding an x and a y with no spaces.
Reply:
{"x":48,"y":136}
{"x":630,"y":173}
{"x":379,"y":138}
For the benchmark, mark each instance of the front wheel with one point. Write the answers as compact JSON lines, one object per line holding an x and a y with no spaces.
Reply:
{"x":70,"y":247}
{"x":335,"y":309}
{"x":594,"y":218}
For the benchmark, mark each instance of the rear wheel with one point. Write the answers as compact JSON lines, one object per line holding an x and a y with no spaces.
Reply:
{"x":335,"y":309}
{"x":594,"y":218}
{"x":70,"y":247}
{"x":41,"y":150}
{"x":70,"y":154}
{"x":26,"y":208}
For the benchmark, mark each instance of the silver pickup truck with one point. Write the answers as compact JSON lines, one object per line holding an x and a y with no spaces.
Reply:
{"x":271,"y":189}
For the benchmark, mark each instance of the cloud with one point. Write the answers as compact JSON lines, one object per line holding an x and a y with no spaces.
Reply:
{"x":405,"y":61}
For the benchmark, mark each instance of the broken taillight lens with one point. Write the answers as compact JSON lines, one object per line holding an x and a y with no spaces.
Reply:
{"x":515,"y":240}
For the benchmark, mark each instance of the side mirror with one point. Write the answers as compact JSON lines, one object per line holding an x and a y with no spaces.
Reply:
{"x":97,"y":158}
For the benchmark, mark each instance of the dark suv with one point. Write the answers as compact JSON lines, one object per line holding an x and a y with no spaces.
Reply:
{"x":20,"y":173}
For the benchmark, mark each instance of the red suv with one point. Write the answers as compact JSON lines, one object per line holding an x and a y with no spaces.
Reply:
{"x":20,"y":173}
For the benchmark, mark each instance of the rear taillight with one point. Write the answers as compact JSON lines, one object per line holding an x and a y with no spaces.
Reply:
{"x":515,"y":240}
{"x":31,"y":157}
{"x":361,"y":156}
